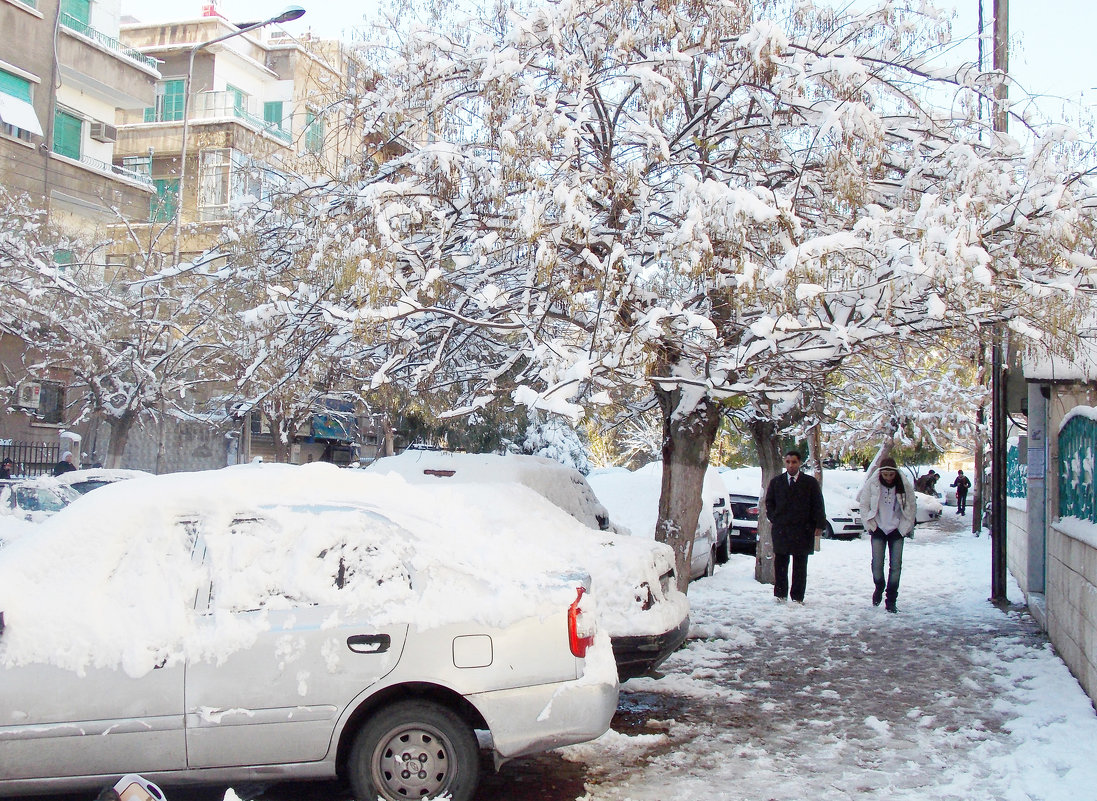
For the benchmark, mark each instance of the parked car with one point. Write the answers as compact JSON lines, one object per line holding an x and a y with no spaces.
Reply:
{"x":619,"y":492}
{"x":87,"y":479}
{"x":645,"y":614}
{"x":34,"y":499}
{"x":843,"y":514}
{"x":929,"y":507}
{"x":744,"y":523}
{"x":270,"y":622}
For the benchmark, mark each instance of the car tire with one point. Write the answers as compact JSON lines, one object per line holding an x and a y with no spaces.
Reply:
{"x":710,"y":565}
{"x":724,"y":554}
{"x":420,"y":734}
{"x":828,"y":532}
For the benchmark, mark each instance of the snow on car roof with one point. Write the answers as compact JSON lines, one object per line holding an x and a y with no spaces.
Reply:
{"x":618,"y":563}
{"x":562,"y":485}
{"x":110,"y":579}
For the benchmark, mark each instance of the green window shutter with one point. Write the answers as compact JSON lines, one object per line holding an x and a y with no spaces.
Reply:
{"x":272,"y":113}
{"x":150,"y":115}
{"x":238,"y":97}
{"x":173,"y":100}
{"x":166,"y":200}
{"x":314,"y":133}
{"x":66,"y":134}
{"x":63,"y":258}
{"x":15,"y":86}
{"x":78,"y":9}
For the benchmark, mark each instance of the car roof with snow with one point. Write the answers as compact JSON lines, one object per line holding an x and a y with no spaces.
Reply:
{"x":563,"y":485}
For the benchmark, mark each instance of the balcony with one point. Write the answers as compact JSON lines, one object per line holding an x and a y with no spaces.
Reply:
{"x":73,"y":24}
{"x":226,"y":105}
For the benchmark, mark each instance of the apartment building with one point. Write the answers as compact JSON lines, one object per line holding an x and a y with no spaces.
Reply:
{"x":64,"y":80}
{"x":261,"y":104}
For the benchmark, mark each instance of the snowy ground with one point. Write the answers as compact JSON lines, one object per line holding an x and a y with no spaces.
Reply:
{"x":950,"y":700}
{"x":836,"y":699}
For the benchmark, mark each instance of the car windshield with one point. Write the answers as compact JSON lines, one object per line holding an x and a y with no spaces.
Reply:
{"x":44,"y":499}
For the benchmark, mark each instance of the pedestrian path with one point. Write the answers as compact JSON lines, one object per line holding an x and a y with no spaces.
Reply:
{"x":950,"y":699}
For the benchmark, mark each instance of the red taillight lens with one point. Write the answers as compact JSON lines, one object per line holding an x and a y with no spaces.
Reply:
{"x":580,"y":626}
{"x":753,"y":511}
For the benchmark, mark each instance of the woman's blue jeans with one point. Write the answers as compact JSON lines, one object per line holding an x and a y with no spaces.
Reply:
{"x":894,"y":547}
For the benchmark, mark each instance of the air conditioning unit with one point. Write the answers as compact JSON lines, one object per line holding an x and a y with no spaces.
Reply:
{"x":101,"y":132}
{"x":30,"y":395}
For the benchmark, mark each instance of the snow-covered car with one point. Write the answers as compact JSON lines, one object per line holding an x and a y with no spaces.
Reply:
{"x":272,"y":622}
{"x":619,"y":491}
{"x":929,"y":507}
{"x":87,"y":479}
{"x":34,"y":499}
{"x":843,"y":514}
{"x":640,"y":606}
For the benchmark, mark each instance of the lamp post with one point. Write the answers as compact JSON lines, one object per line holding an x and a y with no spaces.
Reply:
{"x":290,"y":14}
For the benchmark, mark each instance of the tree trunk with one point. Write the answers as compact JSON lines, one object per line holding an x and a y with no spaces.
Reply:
{"x":767,"y":445}
{"x":119,"y":436}
{"x":688,"y":434}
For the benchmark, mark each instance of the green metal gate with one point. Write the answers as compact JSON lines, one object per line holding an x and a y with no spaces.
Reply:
{"x":1077,"y":447}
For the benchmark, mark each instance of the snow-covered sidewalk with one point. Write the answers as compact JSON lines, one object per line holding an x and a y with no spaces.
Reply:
{"x":837,"y":699}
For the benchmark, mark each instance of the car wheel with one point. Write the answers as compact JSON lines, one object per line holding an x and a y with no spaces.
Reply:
{"x":414,"y":749}
{"x":829,"y":531}
{"x":724,"y":555}
{"x":710,"y":565}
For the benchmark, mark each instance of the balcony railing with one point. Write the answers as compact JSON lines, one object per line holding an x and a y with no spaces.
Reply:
{"x":218,"y":105}
{"x":114,"y":169}
{"x":72,"y":23}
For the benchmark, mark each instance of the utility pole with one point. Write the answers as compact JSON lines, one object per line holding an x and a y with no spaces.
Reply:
{"x":1000,"y":119}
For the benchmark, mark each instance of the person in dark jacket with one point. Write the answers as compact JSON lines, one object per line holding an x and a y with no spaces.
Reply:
{"x":794,"y":507}
{"x":65,"y":465}
{"x":6,"y":467}
{"x":962,"y":484}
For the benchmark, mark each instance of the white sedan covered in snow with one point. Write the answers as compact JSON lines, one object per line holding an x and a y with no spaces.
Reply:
{"x":276,"y":622}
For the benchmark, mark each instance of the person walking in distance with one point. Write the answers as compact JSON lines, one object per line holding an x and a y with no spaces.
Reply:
{"x":889,"y":509}
{"x":962,"y":484}
{"x":794,"y":507}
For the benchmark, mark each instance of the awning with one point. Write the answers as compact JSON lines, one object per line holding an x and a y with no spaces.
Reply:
{"x":19,"y":113}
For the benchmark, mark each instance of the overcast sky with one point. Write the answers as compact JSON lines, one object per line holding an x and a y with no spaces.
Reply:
{"x":1051,"y":40}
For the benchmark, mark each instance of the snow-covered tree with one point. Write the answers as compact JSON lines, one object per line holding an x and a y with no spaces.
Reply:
{"x":554,"y":438}
{"x":693,"y":201}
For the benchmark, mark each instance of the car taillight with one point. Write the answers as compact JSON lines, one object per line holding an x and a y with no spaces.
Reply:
{"x":753,"y":511}
{"x":581,"y":626}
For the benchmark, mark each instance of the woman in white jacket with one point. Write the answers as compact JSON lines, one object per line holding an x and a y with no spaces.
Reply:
{"x":889,"y":509}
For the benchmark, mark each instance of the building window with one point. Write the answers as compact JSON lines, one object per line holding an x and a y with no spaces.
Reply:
{"x":17,"y":117}
{"x":272,"y":114}
{"x":213,"y":184}
{"x":80,"y":10}
{"x":239,"y":99}
{"x":169,"y":102}
{"x":314,"y":133}
{"x":166,"y":200}
{"x":51,"y":404}
{"x":67,"y":130}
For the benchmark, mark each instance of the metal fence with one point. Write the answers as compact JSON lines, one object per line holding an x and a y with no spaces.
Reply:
{"x":1077,"y":447}
{"x":30,"y":458}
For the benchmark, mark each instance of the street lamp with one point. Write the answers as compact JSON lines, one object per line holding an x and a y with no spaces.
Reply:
{"x":291,"y":13}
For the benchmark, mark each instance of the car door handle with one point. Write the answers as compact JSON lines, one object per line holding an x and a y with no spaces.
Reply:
{"x":369,"y":643}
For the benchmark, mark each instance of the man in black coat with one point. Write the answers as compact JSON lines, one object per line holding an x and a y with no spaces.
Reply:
{"x":794,"y":506}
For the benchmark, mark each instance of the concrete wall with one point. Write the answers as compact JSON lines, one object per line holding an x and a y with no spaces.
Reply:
{"x":1017,"y":542}
{"x":1072,"y":605}
{"x":188,"y":445}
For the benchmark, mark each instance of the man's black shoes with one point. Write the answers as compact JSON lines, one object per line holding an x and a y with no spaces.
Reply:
{"x":878,"y":596}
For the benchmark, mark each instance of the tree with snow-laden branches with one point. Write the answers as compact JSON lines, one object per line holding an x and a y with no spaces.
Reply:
{"x":588,"y":203}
